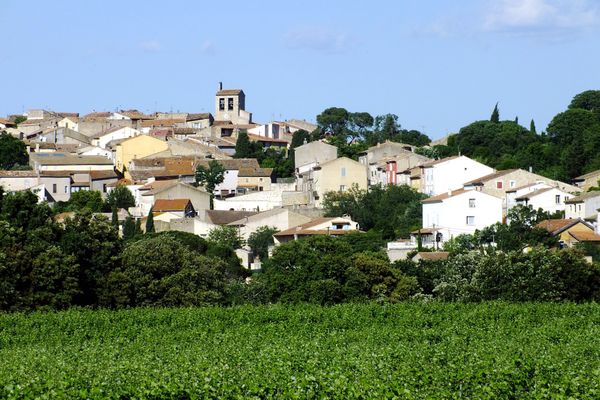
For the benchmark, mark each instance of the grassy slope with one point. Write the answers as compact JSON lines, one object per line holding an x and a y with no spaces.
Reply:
{"x":488,"y":350}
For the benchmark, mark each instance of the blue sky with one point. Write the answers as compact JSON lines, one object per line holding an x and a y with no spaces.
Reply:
{"x":438,"y":65}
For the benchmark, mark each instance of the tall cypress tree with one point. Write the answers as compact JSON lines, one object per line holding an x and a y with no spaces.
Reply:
{"x":532,"y":127}
{"x":138,"y":227}
{"x":243,"y":148}
{"x":128,"y":228}
{"x":150,"y":222}
{"x":114,"y":219}
{"x":495,"y":114}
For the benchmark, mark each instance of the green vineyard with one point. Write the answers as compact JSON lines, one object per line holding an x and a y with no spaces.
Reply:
{"x":405,"y":351}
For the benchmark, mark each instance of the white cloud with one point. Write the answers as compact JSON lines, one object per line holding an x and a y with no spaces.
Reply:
{"x":151,"y":46}
{"x":318,"y":39}
{"x":522,"y":16}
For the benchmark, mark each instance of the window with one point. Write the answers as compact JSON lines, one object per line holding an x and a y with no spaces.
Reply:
{"x":470,"y":220}
{"x":54,"y":188}
{"x":499,"y":185}
{"x":230,"y":103}
{"x":343,"y":171}
{"x":104,"y":187}
{"x":221,"y":104}
{"x":471,"y":203}
{"x":342,"y":188}
{"x":66,"y":189}
{"x":513,"y":184}
{"x":557,"y":199}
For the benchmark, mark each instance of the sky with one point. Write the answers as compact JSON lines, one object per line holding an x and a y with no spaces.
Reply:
{"x":437,"y":64}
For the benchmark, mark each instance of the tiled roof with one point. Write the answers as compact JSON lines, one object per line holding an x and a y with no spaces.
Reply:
{"x":156,"y":185}
{"x":164,"y":205}
{"x":583,"y":197}
{"x":229,"y":92}
{"x":223,"y":217}
{"x":588,"y":175}
{"x":534,"y":193}
{"x":17,"y":174}
{"x":444,"y":196}
{"x":68,"y":159}
{"x":161,"y":122}
{"x":258,"y":138}
{"x":585,"y":236}
{"x":556,"y":226}
{"x":197,"y":116}
{"x":303,"y":228}
{"x":255,"y":172}
{"x":435,"y":162}
{"x":490,"y":177}
{"x":96,"y":115}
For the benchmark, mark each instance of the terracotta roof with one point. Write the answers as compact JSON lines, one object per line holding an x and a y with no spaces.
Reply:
{"x":99,"y":175}
{"x":556,"y":226}
{"x":223,"y":217}
{"x":255,"y":172}
{"x":233,"y":164}
{"x":219,"y":122}
{"x":490,"y":177}
{"x":68,"y":159}
{"x":229,"y":92}
{"x":120,"y":182}
{"x":96,"y":115}
{"x":161,"y":132}
{"x":424,"y":231}
{"x":165,"y":205}
{"x":583,"y":197}
{"x":585,"y":236}
{"x":6,"y":122}
{"x":433,"y":255}
{"x":184,"y":131}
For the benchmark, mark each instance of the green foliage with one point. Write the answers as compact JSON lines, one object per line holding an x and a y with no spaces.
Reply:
{"x":260,"y":241}
{"x":162,"y":271}
{"x":114,"y":218}
{"x":495,"y":117}
{"x":129,"y":228}
{"x":150,"y":222}
{"x":226,"y":236}
{"x":351,"y":351}
{"x":588,"y":100}
{"x":395,"y":210}
{"x":243,"y":147}
{"x":120,"y":197}
{"x":326,"y":270}
{"x":532,"y":127}
{"x":210,"y":177}
{"x":13,"y":152}
{"x":85,"y":199}
{"x":20,"y":119}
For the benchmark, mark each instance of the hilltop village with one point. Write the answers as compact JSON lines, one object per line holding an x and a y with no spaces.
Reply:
{"x":195,"y":172}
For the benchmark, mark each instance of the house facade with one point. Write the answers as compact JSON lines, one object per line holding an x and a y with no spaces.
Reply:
{"x":437,"y":177}
{"x":583,"y":206}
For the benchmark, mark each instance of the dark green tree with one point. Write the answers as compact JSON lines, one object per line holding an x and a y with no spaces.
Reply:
{"x":138,"y":227}
{"x":13,"y":152}
{"x":588,"y":100}
{"x":532,"y":127}
{"x":334,"y":120}
{"x":210,"y":177}
{"x":260,"y":241}
{"x":495,"y":118}
{"x":128,"y":228}
{"x":114,"y":218}
{"x":86,"y":199}
{"x":150,"y":222}
{"x":120,"y":197}
{"x":243,"y":148}
{"x":226,"y":236}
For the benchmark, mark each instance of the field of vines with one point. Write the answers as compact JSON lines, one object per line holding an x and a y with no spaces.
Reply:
{"x":406,"y":351}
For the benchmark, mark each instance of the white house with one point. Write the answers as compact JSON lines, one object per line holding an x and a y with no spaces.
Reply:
{"x":461,"y":211}
{"x":549,"y":199}
{"x":584,"y":206}
{"x":450,"y":173}
{"x":279,"y":218}
{"x":119,"y":132}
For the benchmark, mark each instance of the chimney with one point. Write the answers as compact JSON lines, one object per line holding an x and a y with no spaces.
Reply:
{"x":220,"y":86}
{"x":530,"y":168}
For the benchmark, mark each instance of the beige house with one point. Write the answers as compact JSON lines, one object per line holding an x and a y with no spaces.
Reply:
{"x":135,"y":148}
{"x":168,"y":190}
{"x":312,"y":154}
{"x":278,"y":218}
{"x":254,"y":179}
{"x":585,"y":182}
{"x":570,"y":231}
{"x":332,"y":176}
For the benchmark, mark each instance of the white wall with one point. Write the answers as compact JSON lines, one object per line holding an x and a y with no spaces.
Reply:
{"x":451,"y":213}
{"x":123,"y":133}
{"x":452,"y":174}
{"x":547,"y":200}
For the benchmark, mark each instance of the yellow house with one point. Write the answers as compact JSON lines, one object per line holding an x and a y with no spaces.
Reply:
{"x":136,"y":147}
{"x":570,"y":231}
{"x":333,"y":176}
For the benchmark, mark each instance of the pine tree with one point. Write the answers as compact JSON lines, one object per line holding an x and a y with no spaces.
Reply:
{"x":532,"y":127}
{"x":150,"y":222}
{"x":495,"y":114}
{"x":114,"y":219}
{"x":128,"y":228}
{"x":516,"y":120}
